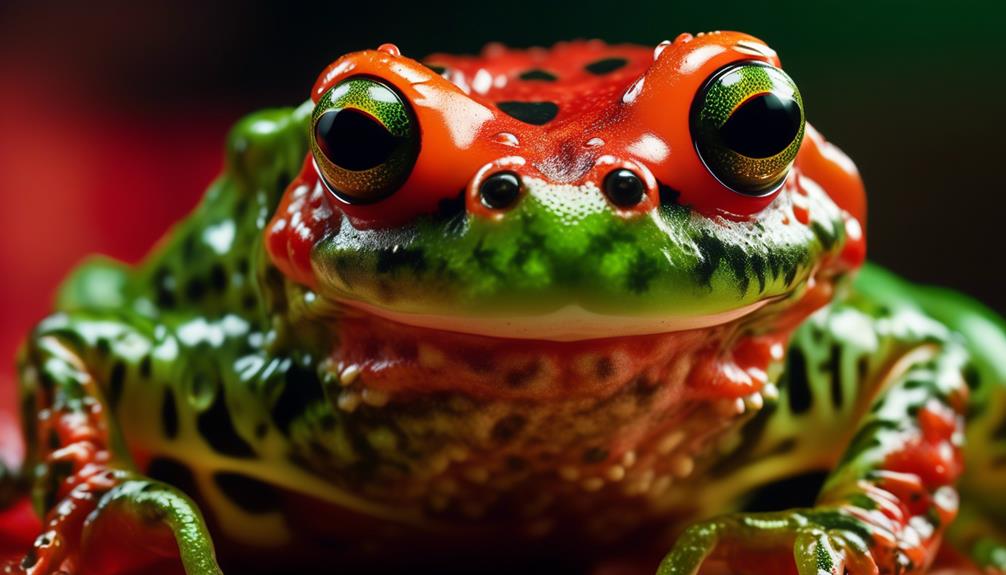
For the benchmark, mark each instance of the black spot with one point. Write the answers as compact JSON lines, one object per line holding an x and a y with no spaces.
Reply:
{"x":520,"y":377}
{"x":1000,"y":432}
{"x":389,"y":261}
{"x":516,"y":463}
{"x":448,"y":208}
{"x":758,"y":267}
{"x":604,"y":368}
{"x":605,"y":66}
{"x":668,"y":195}
{"x":536,"y":113}
{"x":251,"y":495}
{"x":642,"y":271}
{"x":796,"y":382}
{"x":218,"y":278}
{"x":868,"y":436}
{"x":827,"y":238}
{"x":712,"y":250}
{"x":146,"y":366}
{"x":116,"y":384}
{"x":595,"y":455}
{"x":195,"y":290}
{"x":169,"y":414}
{"x":174,"y":473}
{"x":507,"y":428}
{"x":103,"y":346}
{"x":791,"y":493}
{"x":537,"y":74}
{"x":301,"y":389}
{"x":834,"y":366}
{"x":30,"y":558}
{"x":249,"y":301}
{"x":971,"y":377}
{"x":738,"y":266}
{"x":164,"y":284}
{"x":217,"y":428}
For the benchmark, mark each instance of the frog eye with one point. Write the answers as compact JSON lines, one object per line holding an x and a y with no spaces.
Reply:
{"x":365,"y":140}
{"x":747,"y":123}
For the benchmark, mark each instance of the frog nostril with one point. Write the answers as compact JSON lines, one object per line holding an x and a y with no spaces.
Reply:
{"x":624,"y":188}
{"x":500,"y":190}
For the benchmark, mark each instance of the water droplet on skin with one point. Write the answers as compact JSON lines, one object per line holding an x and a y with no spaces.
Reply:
{"x":633,"y":92}
{"x":660,"y":48}
{"x":506,"y":139}
{"x":389,"y":49}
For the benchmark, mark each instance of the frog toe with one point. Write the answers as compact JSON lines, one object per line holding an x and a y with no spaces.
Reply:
{"x":144,"y":526}
{"x":793,"y":542}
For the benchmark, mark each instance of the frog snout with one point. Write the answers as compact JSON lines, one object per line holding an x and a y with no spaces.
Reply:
{"x":620,"y":185}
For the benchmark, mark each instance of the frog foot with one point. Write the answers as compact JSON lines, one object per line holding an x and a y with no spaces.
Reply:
{"x":117,"y":522}
{"x":806,"y":542}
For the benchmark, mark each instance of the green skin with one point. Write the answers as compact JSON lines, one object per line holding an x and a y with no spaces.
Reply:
{"x":196,"y":352}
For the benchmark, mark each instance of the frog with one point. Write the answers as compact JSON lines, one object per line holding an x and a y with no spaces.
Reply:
{"x":534,"y":310}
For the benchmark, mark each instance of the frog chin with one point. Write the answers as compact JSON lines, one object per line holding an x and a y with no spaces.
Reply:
{"x":570,"y":323}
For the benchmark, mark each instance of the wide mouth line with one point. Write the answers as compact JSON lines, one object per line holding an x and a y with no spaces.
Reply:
{"x":569,"y":323}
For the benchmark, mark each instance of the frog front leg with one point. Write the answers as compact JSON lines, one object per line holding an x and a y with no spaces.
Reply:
{"x":886,"y":505}
{"x":100,"y":516}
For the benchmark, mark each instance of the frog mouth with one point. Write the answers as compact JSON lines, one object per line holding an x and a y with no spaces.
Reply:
{"x":570,"y":323}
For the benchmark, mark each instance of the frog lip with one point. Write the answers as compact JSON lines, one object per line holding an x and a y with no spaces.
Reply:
{"x":570,"y":323}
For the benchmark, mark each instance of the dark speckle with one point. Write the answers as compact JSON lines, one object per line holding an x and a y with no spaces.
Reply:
{"x":195,"y":290}
{"x":536,"y":113}
{"x":507,"y":428}
{"x":169,"y":414}
{"x":595,"y":455}
{"x":173,"y":473}
{"x":450,"y":207}
{"x":796,"y":382}
{"x":116,"y":383}
{"x":539,"y":75}
{"x":301,"y":389}
{"x":605,"y":66}
{"x":218,"y":278}
{"x":668,"y":195}
{"x":250,"y":494}
{"x":217,"y":428}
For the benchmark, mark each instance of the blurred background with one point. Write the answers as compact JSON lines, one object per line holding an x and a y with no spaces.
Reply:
{"x":113,"y":114}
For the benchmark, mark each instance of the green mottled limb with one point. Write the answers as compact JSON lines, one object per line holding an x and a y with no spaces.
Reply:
{"x":72,"y":374}
{"x":980,"y":530}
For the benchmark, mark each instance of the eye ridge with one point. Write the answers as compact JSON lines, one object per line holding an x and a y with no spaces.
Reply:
{"x":354,"y":140}
{"x":762,"y":126}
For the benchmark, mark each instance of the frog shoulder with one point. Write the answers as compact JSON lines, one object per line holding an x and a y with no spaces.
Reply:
{"x":982,"y":330}
{"x":266,"y":149}
{"x":98,"y":283}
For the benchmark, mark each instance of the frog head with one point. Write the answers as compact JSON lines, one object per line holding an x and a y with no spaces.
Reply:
{"x":581,"y":192}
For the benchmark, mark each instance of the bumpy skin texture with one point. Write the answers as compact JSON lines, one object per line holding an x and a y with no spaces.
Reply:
{"x":428,"y":380}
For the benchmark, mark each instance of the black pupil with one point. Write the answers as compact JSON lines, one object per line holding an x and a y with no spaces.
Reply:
{"x":762,"y":127}
{"x":500,"y":190}
{"x":624,"y":188}
{"x":353,"y":140}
